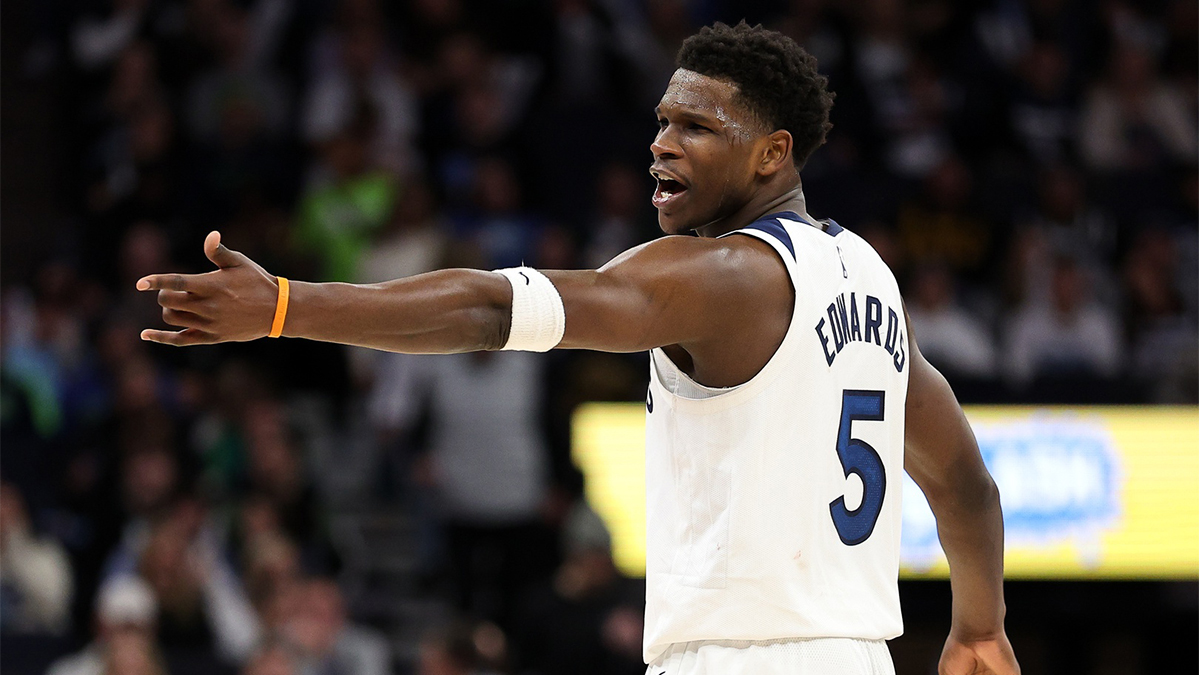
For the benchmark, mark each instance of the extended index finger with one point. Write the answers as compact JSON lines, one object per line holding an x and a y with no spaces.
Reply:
{"x":182,"y":338}
{"x":167,"y":282}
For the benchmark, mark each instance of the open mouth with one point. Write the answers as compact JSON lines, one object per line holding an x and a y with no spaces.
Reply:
{"x":667,"y":191}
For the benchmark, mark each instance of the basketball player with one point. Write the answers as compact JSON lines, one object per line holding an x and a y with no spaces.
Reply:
{"x":786,"y":390}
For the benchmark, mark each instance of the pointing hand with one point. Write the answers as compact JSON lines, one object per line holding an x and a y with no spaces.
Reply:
{"x":233,"y":303}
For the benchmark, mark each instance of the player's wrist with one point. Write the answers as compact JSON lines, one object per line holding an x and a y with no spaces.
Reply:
{"x":282,"y":297}
{"x":300,"y":299}
{"x":977,"y":629}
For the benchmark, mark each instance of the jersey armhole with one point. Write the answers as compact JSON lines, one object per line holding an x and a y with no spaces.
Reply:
{"x":783,"y":249}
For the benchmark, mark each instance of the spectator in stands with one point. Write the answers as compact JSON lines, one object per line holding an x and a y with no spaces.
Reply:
{"x":135,"y":81}
{"x":278,"y":476}
{"x":424,"y":27}
{"x":134,"y":170}
{"x":33,"y":384}
{"x":907,"y":92}
{"x":151,"y":484}
{"x":462,"y":649}
{"x":496,"y":222}
{"x":242,"y":81}
{"x":1134,"y":120}
{"x":1162,"y":334}
{"x":487,"y":465}
{"x":238,"y":110}
{"x":587,"y":619}
{"x":125,"y":606}
{"x":1042,"y":110}
{"x":133,"y":166}
{"x":97,"y":40}
{"x":414,"y":241}
{"x":240,"y":166}
{"x":942,"y":226}
{"x":951,"y":338}
{"x":218,"y":435}
{"x":887,"y":244}
{"x":353,"y":67}
{"x":35,"y":574}
{"x":131,"y":653}
{"x":1065,"y":223}
{"x":619,"y":223}
{"x":271,"y":660}
{"x":347,"y":202}
{"x":591,"y":63}
{"x":203,"y":610}
{"x":1069,"y":336}
{"x":325,"y":641}
{"x":270,"y":561}
{"x":45,"y":350}
{"x":1007,"y":31}
{"x":473,"y":111}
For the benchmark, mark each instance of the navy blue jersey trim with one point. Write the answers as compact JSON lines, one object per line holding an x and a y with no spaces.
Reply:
{"x":831,"y":227}
{"x":770,"y":225}
{"x":773,"y":228}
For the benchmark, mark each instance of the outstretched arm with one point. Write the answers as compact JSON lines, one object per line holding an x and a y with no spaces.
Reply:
{"x":674,"y":290}
{"x":450,"y":311}
{"x":943,"y":458}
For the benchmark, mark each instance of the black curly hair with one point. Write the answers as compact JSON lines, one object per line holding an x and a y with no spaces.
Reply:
{"x":777,"y":80}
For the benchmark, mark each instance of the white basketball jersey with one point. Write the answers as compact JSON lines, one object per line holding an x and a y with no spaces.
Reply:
{"x":773,"y":507}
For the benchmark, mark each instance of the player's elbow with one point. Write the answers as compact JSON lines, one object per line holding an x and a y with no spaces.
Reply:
{"x":492,"y":324}
{"x":980,"y":493}
{"x":967,"y":487}
{"x":484,"y":311}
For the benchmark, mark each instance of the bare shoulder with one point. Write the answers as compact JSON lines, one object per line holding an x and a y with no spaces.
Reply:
{"x":731,"y":263}
{"x":727,"y":302}
{"x":732,"y":295}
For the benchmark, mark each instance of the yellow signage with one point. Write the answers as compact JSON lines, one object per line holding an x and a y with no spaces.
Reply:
{"x":1087,"y":492}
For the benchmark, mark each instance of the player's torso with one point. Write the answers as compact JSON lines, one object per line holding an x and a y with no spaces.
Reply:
{"x":755,"y":530}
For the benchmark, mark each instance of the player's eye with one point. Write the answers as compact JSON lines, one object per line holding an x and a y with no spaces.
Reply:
{"x":698,"y":127}
{"x":662,"y":123}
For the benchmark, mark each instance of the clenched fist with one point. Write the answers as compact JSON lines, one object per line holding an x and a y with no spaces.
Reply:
{"x":978,"y":657}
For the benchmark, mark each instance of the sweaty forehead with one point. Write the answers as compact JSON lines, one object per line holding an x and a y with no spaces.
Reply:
{"x":689,"y":90}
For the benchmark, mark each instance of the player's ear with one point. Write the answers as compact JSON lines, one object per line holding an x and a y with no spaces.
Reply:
{"x":776,"y":152}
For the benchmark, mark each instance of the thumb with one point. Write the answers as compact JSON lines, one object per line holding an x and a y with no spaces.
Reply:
{"x":219,"y":255}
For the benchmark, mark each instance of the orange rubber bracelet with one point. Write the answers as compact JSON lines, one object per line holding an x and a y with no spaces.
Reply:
{"x":281,"y":305}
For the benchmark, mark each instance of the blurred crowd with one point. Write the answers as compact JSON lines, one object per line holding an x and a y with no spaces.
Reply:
{"x":1028,"y":168}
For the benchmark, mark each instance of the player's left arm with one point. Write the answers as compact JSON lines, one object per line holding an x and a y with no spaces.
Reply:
{"x":942,"y":456}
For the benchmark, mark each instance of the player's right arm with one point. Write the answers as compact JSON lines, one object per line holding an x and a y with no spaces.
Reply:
{"x":941,"y":455}
{"x":674,"y":290}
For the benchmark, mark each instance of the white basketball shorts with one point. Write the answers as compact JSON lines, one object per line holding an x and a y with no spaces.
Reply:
{"x":816,"y":656}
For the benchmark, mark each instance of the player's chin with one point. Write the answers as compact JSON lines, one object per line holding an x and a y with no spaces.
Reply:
{"x":676,"y":222}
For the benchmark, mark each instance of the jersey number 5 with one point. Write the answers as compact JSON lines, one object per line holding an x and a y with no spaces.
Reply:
{"x":858,"y":457}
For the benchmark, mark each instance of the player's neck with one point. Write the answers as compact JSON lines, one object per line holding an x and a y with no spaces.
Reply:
{"x":790,"y":199}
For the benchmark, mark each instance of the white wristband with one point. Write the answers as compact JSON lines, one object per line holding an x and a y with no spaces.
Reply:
{"x":538,"y":317}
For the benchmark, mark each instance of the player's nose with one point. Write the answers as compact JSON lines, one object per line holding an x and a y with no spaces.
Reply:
{"x":664,"y":145}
